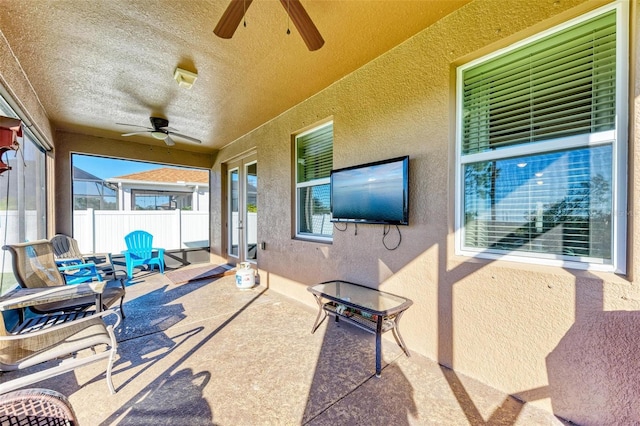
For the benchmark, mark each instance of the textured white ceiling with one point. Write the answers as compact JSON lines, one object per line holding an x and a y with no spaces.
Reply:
{"x":96,"y":63}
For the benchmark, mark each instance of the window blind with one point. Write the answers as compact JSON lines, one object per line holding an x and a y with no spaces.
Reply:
{"x":315,"y":154}
{"x":559,"y":86}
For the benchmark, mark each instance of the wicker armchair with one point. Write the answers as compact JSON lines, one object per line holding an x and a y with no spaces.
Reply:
{"x":34,"y":266}
{"x":36,"y":407}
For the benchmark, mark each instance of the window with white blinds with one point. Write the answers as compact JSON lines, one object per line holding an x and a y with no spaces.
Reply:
{"x":539,"y":147}
{"x":314,"y":161}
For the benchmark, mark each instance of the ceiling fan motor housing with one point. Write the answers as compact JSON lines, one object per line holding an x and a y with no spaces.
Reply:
{"x":159,"y":123}
{"x":160,"y":130}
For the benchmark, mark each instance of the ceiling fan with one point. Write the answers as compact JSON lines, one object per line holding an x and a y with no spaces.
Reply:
{"x":160,"y":130}
{"x":237,"y":8}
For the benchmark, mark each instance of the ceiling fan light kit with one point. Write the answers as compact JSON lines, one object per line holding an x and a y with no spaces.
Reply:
{"x":185,"y":78}
{"x":159,"y":135}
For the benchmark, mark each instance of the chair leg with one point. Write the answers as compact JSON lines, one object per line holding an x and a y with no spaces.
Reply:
{"x":121,"y":309}
{"x":111,"y":360}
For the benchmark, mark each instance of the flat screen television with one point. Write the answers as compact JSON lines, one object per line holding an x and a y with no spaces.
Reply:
{"x":372,"y":193}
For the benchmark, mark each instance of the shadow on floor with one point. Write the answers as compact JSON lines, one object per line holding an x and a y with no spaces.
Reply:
{"x":345,"y":375}
{"x":181,"y":386}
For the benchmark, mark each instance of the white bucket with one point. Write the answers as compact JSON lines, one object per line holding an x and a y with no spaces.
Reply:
{"x":245,"y":275}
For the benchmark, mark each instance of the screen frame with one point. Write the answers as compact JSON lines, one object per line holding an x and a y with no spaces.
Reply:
{"x":404,"y":161}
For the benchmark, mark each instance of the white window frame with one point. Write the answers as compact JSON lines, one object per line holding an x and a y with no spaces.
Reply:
{"x":617,"y":138}
{"x":308,"y":184}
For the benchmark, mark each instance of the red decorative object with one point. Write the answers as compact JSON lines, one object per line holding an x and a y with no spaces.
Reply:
{"x":10,"y":130}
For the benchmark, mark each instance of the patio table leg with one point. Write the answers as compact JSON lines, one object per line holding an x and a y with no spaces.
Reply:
{"x":398,"y":337}
{"x":98,"y":302}
{"x":320,"y":312}
{"x":379,"y":346}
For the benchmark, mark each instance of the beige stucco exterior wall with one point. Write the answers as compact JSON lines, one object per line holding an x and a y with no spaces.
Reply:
{"x":20,"y":92}
{"x":17,"y":90}
{"x":562,"y":339}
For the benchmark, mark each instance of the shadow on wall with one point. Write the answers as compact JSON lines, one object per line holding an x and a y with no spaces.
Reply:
{"x":593,"y":366}
{"x":591,"y":374}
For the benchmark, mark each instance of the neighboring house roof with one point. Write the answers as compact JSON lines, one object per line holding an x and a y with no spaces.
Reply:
{"x":169,"y":175}
{"x":81,"y":174}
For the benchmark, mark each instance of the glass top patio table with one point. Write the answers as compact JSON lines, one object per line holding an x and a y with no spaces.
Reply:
{"x":379,"y":311}
{"x":375,"y":301}
{"x":24,"y":297}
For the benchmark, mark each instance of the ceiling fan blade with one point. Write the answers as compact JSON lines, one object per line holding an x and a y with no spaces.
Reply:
{"x":304,"y":24}
{"x":169,"y":141}
{"x":189,"y":138}
{"x":134,"y":125}
{"x":231,"y":18}
{"x":136,"y":133}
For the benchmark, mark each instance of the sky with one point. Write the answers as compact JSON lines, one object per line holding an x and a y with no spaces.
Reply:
{"x":105,"y":168}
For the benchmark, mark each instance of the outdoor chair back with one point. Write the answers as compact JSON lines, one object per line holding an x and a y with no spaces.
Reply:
{"x":34,"y":266}
{"x":67,"y":252}
{"x":140,"y":252}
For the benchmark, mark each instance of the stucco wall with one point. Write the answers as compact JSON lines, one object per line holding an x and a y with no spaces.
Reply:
{"x":20,"y":91}
{"x":562,"y":339}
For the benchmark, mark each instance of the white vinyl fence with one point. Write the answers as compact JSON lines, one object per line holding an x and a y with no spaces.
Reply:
{"x":100,"y":231}
{"x":103,"y":231}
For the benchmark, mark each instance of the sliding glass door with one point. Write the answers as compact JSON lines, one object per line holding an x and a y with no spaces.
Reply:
{"x":242,"y":210}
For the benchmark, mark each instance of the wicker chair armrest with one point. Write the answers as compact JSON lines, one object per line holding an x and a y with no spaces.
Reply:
{"x":64,"y":325}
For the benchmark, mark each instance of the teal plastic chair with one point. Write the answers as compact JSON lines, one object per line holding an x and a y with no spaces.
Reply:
{"x":140,"y":252}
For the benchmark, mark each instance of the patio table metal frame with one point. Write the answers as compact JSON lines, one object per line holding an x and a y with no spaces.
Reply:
{"x":371,"y":310}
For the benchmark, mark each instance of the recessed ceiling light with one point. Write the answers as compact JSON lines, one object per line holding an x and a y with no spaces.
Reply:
{"x":185,"y":78}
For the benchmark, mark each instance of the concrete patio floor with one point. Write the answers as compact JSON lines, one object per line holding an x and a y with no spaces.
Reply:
{"x":207,"y":353}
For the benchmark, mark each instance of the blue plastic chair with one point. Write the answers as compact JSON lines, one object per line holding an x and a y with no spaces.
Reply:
{"x":140,"y":252}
